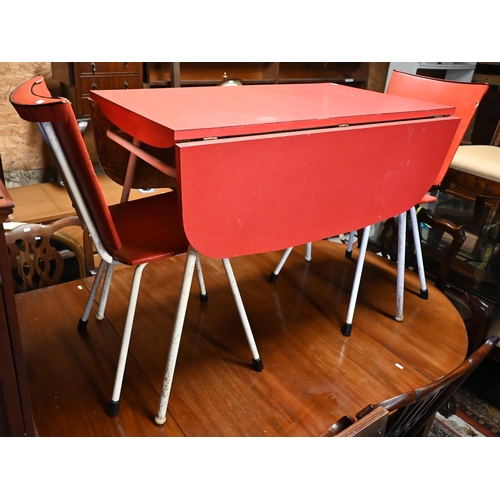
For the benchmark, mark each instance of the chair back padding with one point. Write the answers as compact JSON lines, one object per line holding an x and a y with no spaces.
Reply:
{"x":33,"y":103}
{"x":464,"y":96}
{"x":410,"y":412}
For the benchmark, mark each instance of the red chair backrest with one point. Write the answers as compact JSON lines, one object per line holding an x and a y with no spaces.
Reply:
{"x":465,"y":97}
{"x":33,"y":102}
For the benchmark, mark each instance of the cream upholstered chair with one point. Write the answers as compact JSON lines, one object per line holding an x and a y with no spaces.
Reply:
{"x":476,"y":168}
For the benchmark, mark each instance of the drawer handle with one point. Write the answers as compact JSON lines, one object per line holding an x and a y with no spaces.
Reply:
{"x":93,"y":67}
{"x":125,"y":84}
{"x":94,"y":86}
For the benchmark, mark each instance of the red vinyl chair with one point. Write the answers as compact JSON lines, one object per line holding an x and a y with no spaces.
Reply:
{"x":465,"y":97}
{"x":133,"y":233}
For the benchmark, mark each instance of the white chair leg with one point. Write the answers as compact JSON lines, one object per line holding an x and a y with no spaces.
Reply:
{"x":308,"y":256}
{"x":274,"y":275}
{"x":82,"y":323}
{"x":424,"y":292}
{"x":161,"y":415}
{"x":400,"y":282}
{"x":256,"y":360}
{"x":201,"y":280}
{"x":350,"y":244}
{"x":114,"y":404}
{"x":105,"y":292}
{"x":347,"y":327}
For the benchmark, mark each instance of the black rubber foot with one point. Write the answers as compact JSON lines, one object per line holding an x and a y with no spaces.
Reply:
{"x":424,"y":294}
{"x":82,"y":326}
{"x":203,"y":298}
{"x":113,"y":407}
{"x":348,"y":254}
{"x":346,"y":330}
{"x":257,"y":364}
{"x":272,"y":278}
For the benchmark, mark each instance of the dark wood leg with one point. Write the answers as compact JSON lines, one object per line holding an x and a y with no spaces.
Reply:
{"x":457,"y":232}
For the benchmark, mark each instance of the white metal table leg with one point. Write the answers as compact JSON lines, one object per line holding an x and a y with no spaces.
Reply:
{"x":256,"y":360}
{"x":201,"y":280}
{"x":424,"y":292}
{"x":400,"y":281}
{"x":308,"y":256}
{"x":347,"y":327}
{"x":350,"y":244}
{"x":274,"y":275}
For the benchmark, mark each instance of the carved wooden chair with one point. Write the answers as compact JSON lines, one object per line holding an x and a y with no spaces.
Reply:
{"x":373,"y":424}
{"x":39,"y":253}
{"x":412,"y":413}
{"x":132,"y":233}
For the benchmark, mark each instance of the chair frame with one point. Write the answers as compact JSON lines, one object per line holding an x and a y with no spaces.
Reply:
{"x":27,"y":108}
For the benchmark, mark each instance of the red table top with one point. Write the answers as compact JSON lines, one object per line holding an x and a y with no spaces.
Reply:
{"x":163,"y":117}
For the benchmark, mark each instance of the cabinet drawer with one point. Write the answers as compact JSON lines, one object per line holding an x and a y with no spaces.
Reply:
{"x":109,"y":82}
{"x":94,"y":68}
{"x":102,"y":83}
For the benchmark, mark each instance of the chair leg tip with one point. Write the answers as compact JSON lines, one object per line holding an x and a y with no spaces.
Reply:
{"x":113,"y":408}
{"x":257,"y":364}
{"x":82,"y":326}
{"x":203,"y":298}
{"x":160,"y":421}
{"x":272,"y":278}
{"x":348,"y":254}
{"x":346,"y":329}
{"x":399,"y":318}
{"x":424,"y":294}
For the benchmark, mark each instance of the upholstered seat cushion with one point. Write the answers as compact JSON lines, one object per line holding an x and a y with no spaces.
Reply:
{"x":482,"y":161}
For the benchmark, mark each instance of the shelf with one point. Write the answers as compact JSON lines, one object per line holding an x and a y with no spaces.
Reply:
{"x":189,"y":74}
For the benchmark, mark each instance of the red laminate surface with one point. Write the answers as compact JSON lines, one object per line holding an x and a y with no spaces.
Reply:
{"x":255,"y":194}
{"x":162,"y":117}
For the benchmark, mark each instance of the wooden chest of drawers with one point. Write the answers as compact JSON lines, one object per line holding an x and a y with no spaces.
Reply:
{"x":78,"y":78}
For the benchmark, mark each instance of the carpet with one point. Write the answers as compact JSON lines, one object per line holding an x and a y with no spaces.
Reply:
{"x":477,"y":406}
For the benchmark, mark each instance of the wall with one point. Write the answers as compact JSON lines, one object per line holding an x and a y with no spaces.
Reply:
{"x":21,"y":146}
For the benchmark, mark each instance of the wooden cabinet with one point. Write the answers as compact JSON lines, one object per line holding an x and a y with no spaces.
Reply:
{"x":15,"y":407}
{"x":175,"y":74}
{"x":79,"y":78}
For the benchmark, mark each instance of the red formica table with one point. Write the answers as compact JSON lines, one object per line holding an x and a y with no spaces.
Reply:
{"x":267,"y":167}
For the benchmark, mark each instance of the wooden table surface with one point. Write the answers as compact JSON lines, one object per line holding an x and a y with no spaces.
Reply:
{"x":312,"y":374}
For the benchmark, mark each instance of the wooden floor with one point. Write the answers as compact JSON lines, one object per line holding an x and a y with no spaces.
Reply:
{"x":312,"y":374}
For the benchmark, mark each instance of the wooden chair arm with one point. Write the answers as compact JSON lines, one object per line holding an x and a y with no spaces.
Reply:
{"x":457,"y":233}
